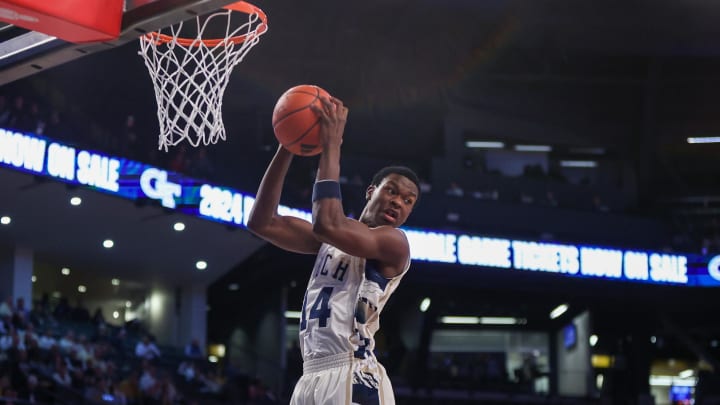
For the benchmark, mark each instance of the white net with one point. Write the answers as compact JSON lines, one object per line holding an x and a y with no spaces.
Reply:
{"x":190,"y":75}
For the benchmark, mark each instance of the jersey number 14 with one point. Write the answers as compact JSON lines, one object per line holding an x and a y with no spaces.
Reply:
{"x":320,"y":308}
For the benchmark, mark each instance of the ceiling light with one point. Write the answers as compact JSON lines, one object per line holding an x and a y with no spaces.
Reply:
{"x":128,"y":304}
{"x":108,"y":243}
{"x":653,"y":339}
{"x":82,"y":288}
{"x":33,"y":278}
{"x":292,"y":314}
{"x":533,"y":148}
{"x":593,"y":340}
{"x":201,"y":265}
{"x":669,"y":381}
{"x":5,"y":220}
{"x":75,"y":201}
{"x":460,"y":320}
{"x":686,"y":373}
{"x":485,"y":144}
{"x":424,"y":304}
{"x":115,"y":282}
{"x":559,"y":310}
{"x":501,"y":320}
{"x":56,"y":294}
{"x":704,"y":139}
{"x":65,"y":271}
{"x":578,"y":163}
{"x":179,"y":226}
{"x":116,"y":314}
{"x":233,"y":287}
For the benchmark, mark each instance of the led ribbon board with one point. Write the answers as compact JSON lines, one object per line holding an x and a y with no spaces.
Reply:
{"x":138,"y":181}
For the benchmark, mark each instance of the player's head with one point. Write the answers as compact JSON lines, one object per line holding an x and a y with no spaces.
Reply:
{"x":391,"y":196}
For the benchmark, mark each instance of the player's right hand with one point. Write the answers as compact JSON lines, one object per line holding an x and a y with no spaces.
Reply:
{"x":333,"y":116}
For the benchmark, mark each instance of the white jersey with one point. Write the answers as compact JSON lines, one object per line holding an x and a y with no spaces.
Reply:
{"x":342,"y":305}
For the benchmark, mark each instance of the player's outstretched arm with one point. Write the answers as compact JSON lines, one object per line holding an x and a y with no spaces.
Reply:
{"x":385,"y":244}
{"x":289,"y":233}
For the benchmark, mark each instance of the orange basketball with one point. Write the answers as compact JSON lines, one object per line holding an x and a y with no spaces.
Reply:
{"x":296,"y":126}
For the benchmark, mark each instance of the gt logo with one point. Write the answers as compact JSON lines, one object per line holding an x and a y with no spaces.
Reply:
{"x":714,"y":267}
{"x":154,"y":184}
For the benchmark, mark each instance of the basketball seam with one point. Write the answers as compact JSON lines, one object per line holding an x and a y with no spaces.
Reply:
{"x":316,"y":95}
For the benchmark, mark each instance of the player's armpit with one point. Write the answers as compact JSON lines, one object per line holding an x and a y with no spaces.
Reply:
{"x":385,"y":244}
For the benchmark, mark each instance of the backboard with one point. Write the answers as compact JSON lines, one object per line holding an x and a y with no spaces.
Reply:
{"x":24,"y":52}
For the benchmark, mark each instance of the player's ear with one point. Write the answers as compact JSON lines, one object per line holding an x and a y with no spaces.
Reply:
{"x":369,"y":192}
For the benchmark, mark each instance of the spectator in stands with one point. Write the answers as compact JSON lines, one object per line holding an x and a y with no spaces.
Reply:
{"x":55,"y":127}
{"x":67,"y":342}
{"x":31,"y":392}
{"x":104,"y":391}
{"x":36,"y":123}
{"x":167,"y":393}
{"x":454,"y":190}
{"x":20,"y":315}
{"x":6,"y":308}
{"x":98,"y":318}
{"x":61,"y":376}
{"x":16,"y":346}
{"x":19,"y":115}
{"x":146,"y":349}
{"x":193,"y":350}
{"x":148,"y":383}
{"x":6,"y":339}
{"x":80,"y":313}
{"x":211,"y":382}
{"x":83,"y":351}
{"x":28,"y":332}
{"x":62,"y":309}
{"x":20,"y":370}
{"x":47,"y":341}
{"x":30,"y":342}
{"x":130,"y":387}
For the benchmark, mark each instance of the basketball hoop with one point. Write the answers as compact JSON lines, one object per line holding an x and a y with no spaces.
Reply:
{"x":190,"y":74}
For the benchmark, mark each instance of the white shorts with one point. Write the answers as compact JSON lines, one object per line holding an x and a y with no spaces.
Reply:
{"x":343,"y":380}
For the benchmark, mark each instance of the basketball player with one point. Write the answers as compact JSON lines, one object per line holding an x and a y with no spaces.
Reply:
{"x":359,"y":264}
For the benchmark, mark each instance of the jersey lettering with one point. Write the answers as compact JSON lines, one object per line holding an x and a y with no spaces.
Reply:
{"x":341,"y":267}
{"x":323,"y":267}
{"x":320,"y":310}
{"x":340,"y":270}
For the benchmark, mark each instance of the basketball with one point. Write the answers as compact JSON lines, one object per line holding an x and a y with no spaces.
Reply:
{"x":296,"y":126}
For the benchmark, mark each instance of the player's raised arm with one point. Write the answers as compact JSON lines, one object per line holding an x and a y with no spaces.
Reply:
{"x":389,"y":203}
{"x":287,"y":232}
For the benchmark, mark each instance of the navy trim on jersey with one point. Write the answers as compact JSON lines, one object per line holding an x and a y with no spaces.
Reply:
{"x":372,"y":274}
{"x":365,"y":395}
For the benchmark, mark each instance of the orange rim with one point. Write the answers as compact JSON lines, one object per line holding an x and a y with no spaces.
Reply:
{"x":240,"y":6}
